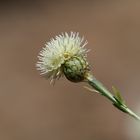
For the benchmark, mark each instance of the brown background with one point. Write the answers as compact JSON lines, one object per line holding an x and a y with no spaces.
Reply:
{"x":31,"y":109}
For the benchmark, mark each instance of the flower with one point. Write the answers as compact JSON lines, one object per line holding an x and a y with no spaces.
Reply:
{"x":66,"y":55}
{"x":58,"y":51}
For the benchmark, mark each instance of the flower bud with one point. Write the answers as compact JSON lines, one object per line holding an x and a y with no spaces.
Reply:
{"x":75,"y":69}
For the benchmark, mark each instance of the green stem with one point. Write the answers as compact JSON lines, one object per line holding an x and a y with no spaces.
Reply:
{"x":98,"y":86}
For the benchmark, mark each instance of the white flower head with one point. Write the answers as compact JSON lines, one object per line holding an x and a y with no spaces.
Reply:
{"x":56,"y":52}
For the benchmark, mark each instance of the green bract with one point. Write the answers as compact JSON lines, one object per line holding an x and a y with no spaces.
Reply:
{"x":75,"y":69}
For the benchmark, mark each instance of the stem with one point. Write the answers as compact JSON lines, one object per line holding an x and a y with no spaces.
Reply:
{"x":98,"y":86}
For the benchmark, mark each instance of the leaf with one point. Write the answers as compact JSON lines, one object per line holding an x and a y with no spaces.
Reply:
{"x":90,"y":89}
{"x":118,"y":96}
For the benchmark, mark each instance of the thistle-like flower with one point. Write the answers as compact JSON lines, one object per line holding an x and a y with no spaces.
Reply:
{"x":66,"y":55}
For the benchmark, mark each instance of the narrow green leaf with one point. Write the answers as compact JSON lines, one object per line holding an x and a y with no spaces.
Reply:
{"x":118,"y":95}
{"x":91,"y":89}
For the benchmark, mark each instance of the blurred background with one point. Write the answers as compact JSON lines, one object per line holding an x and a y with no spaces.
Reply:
{"x":32,"y":109}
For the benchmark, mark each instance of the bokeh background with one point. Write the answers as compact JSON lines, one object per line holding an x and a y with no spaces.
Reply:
{"x":32,"y":109}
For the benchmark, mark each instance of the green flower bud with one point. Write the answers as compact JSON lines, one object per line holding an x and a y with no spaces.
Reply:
{"x":75,"y":69}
